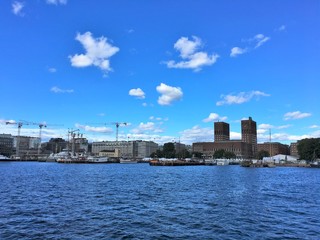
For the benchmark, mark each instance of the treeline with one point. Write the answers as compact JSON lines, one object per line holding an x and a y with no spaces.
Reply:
{"x":309,"y":149}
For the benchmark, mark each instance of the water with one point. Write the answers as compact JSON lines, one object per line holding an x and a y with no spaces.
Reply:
{"x":136,"y":201}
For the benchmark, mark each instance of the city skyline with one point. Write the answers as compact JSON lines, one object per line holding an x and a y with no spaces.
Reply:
{"x":169,"y":70}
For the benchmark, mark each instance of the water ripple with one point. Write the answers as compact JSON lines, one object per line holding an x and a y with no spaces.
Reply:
{"x":115,"y":201}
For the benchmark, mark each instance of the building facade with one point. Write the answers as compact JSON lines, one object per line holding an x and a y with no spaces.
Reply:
{"x":294,"y":149}
{"x":242,"y":150}
{"x":274,"y":148}
{"x":249,"y":133}
{"x":221,"y":132}
{"x":6,"y":144}
{"x":128,"y":149}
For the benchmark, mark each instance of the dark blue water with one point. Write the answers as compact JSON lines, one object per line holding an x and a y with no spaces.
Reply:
{"x":136,"y":201}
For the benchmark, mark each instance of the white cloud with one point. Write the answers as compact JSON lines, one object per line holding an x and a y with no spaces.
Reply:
{"x":237,"y":51}
{"x":240,"y":98}
{"x":213,"y":117}
{"x":191,"y":57}
{"x":260,"y":39}
{"x":253,"y":43}
{"x":98,"y":52}
{"x":138,"y":93}
{"x":59,"y":90}
{"x":169,"y":94}
{"x":296,"y":115}
{"x":17,"y":8}
{"x":56,"y":2}
{"x":147,"y":127}
{"x":314,"y":126}
{"x":94,"y":129}
{"x":197,"y":134}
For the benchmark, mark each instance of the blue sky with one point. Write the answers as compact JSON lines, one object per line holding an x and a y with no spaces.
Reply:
{"x":167,"y":68}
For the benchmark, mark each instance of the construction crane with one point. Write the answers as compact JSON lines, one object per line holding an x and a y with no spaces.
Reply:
{"x":41,"y":125}
{"x":20,"y":124}
{"x":118,"y":124}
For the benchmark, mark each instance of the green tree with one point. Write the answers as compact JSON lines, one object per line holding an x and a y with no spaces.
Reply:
{"x":219,"y":153}
{"x":184,"y":153}
{"x":229,"y":155}
{"x":309,"y":148}
{"x":157,"y":154}
{"x":168,"y":150}
{"x":262,"y":153}
{"x":197,"y":154}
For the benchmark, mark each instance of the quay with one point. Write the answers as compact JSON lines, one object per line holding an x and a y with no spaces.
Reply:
{"x":157,"y":162}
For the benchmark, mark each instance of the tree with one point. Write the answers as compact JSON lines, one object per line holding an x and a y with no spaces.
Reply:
{"x":197,"y":154}
{"x":219,"y":153}
{"x":184,"y":153}
{"x":157,"y":154}
{"x":262,"y":153}
{"x":229,"y":155}
{"x":309,"y":148}
{"x":168,"y":150}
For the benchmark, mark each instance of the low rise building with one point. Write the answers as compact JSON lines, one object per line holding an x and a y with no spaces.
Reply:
{"x":274,"y":148}
{"x":6,"y":144}
{"x":128,"y":149}
{"x":240,"y":149}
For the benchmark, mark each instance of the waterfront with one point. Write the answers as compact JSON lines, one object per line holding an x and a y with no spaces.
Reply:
{"x":136,"y":201}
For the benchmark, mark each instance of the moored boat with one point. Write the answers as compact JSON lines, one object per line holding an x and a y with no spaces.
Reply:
{"x":4,"y":158}
{"x":123,"y":160}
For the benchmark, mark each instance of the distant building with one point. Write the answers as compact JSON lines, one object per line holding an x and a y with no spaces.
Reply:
{"x":56,"y":145}
{"x":249,"y":133}
{"x":244,"y":148}
{"x":274,"y":148}
{"x":6,"y":144}
{"x":221,"y":131}
{"x":294,"y":149}
{"x":130,"y":149}
{"x":110,"y":153}
{"x":239,"y":148}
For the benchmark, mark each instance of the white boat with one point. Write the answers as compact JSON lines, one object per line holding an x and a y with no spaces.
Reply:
{"x":4,"y":158}
{"x":94,"y":159}
{"x":122,"y":160}
{"x":222,"y":162}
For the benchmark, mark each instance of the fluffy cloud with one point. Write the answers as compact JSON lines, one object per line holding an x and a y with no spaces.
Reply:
{"x":237,"y":51}
{"x":191,"y":57}
{"x":314,"y":126}
{"x":94,"y":129}
{"x":296,"y":115}
{"x":240,"y":98}
{"x":138,"y":93}
{"x":98,"y":52}
{"x":147,"y":127}
{"x":17,"y":8}
{"x":59,"y":90}
{"x":213,"y":117}
{"x":56,"y":2}
{"x":169,"y":94}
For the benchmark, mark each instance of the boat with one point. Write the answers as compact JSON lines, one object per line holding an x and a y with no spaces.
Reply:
{"x":315,"y":164}
{"x":95,"y":159}
{"x":128,"y":160}
{"x":4,"y":158}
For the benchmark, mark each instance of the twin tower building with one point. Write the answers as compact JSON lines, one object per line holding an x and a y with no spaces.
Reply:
{"x":244,"y":148}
